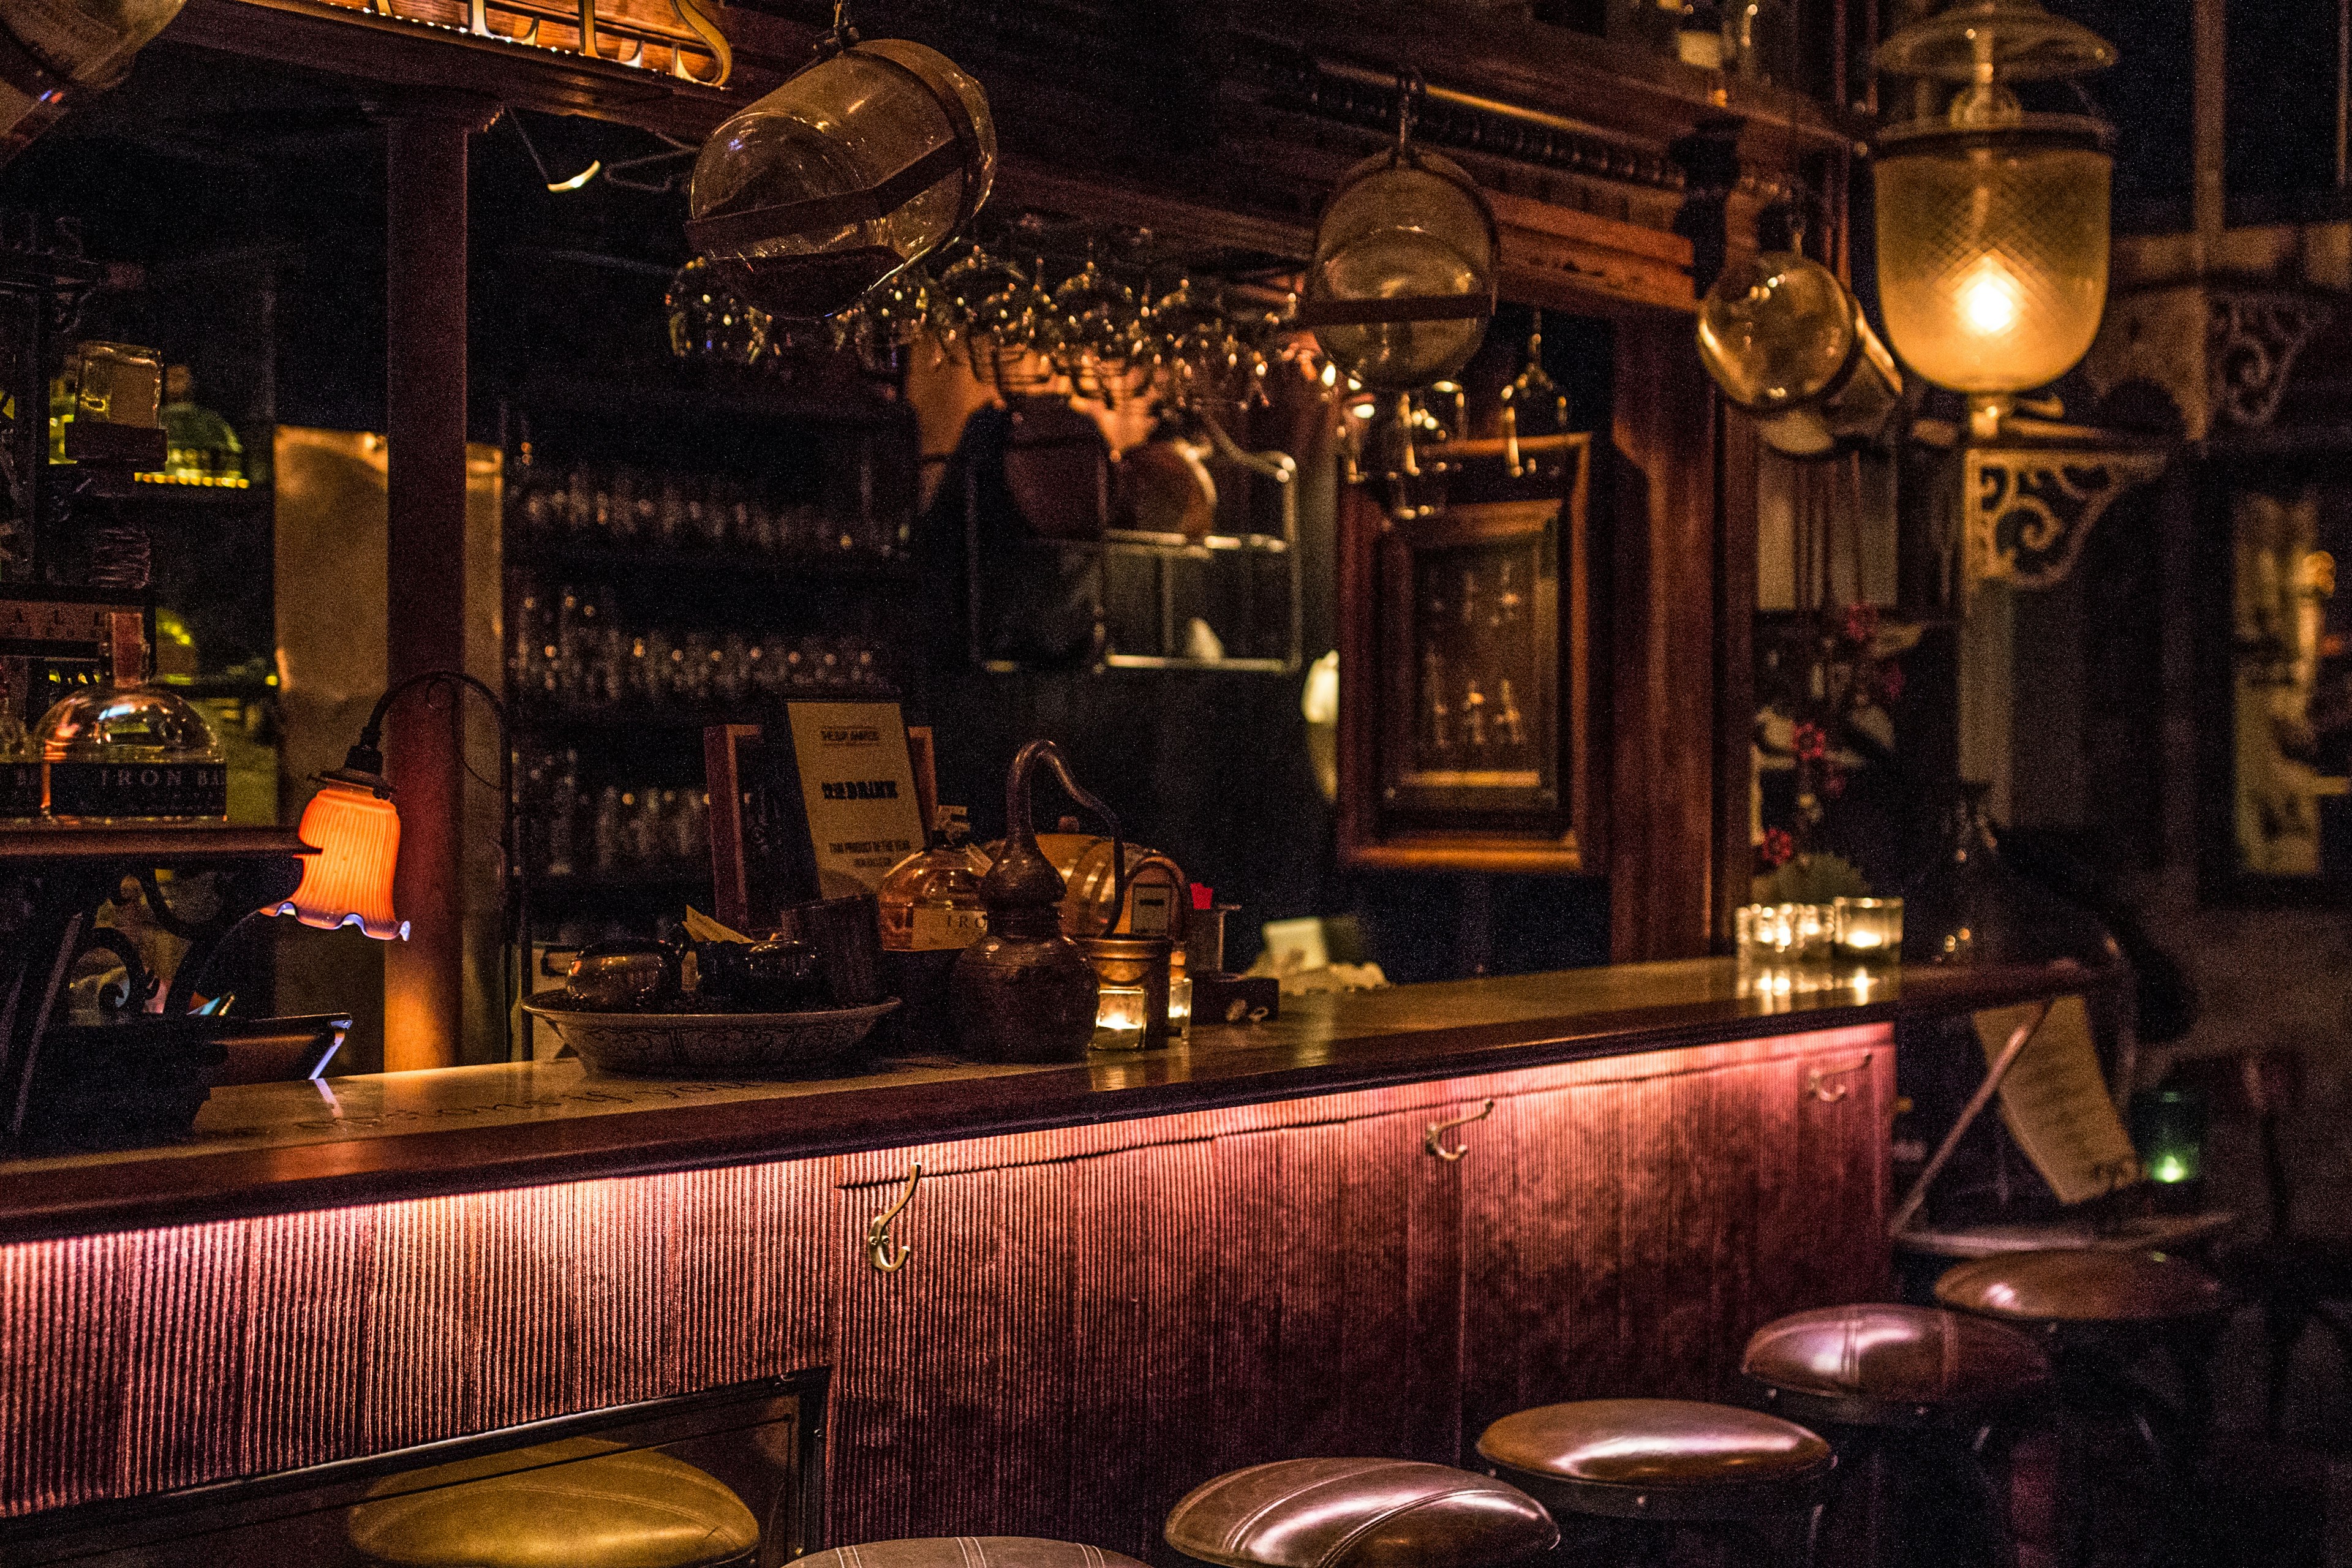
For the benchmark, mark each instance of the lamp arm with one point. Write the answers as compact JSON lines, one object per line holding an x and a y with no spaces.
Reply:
{"x":365,"y":762}
{"x":367,"y":755}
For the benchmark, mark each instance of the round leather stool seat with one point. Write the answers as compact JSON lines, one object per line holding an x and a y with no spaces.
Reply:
{"x":1358,"y":1513}
{"x":969,"y":1551}
{"x":585,"y":1503}
{"x":1659,"y":1458}
{"x":2081,"y":1285}
{"x":1877,"y":1364}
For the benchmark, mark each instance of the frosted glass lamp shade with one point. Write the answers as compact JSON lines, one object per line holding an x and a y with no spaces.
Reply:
{"x":1993,"y":249}
{"x":348,"y":881}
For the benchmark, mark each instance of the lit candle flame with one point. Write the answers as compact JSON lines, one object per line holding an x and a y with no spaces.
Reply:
{"x":1989,"y":302}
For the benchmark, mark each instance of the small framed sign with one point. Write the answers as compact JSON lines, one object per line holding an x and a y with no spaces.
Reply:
{"x":822,"y":806}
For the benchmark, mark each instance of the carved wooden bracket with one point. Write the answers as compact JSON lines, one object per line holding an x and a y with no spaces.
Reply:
{"x":2221,"y":353}
{"x":2251,"y":342}
{"x":2030,"y":509}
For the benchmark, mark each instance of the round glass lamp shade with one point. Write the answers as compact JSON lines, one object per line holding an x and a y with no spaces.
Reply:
{"x":1993,"y":249}
{"x":1775,"y":331}
{"x":348,"y":881}
{"x":861,"y":164}
{"x":131,"y":754}
{"x":1403,"y":282}
{"x":1785,"y":342}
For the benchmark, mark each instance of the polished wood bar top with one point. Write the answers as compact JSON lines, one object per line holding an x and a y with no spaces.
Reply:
{"x":278,"y":1148}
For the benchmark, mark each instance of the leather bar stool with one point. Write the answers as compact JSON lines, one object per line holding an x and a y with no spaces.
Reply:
{"x":1667,"y":1464}
{"x":2102,"y":1313}
{"x":969,"y":1551}
{"x":1908,"y":1395}
{"x":585,"y":1503}
{"x":1358,"y":1513}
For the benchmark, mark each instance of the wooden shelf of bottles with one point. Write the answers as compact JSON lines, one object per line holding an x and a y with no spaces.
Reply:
{"x":697,"y":561}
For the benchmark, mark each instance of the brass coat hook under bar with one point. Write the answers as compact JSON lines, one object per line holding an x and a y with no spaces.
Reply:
{"x":886,"y":1255}
{"x":1438,"y":1130}
{"x":1818,"y":1085}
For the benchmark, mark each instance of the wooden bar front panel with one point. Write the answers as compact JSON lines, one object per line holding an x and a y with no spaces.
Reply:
{"x":1093,"y":1321}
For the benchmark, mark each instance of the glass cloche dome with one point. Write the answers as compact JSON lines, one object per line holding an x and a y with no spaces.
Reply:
{"x":134,"y":753}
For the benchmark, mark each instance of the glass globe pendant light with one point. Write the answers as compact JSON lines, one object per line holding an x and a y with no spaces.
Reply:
{"x":870,"y":159}
{"x":1402,"y":283}
{"x":1785,"y":342}
{"x":1992,"y":219}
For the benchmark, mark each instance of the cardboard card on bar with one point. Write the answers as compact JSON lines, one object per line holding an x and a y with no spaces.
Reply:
{"x":823,"y":808}
{"x":2055,"y":1102}
{"x":857,"y":785}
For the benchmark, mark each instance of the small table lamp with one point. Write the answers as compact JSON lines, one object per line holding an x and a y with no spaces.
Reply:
{"x":356,"y":829}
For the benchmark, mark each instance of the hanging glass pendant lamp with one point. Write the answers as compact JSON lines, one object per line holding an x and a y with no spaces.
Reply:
{"x":1785,"y":342}
{"x":1993,"y":220}
{"x":1402,"y":283}
{"x":872,"y":157}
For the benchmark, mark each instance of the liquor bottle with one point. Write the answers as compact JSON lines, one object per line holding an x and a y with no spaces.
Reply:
{"x":930,"y":912}
{"x":84,"y":47}
{"x":200,"y":447}
{"x":562,"y":808}
{"x":131,"y":754}
{"x":930,"y":899}
{"x":20,"y":763}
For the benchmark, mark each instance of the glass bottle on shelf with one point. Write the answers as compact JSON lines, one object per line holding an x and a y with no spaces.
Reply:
{"x":20,"y":763}
{"x":131,"y":754}
{"x":562,"y":807}
{"x":87,"y":44}
{"x":200,"y":447}
{"x":1758,"y":41}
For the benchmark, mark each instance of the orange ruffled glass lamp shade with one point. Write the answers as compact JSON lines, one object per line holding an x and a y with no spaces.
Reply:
{"x":348,"y":881}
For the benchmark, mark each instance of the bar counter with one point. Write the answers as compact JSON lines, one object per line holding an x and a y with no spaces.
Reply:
{"x":276,"y":1148}
{"x":1042,"y":1300}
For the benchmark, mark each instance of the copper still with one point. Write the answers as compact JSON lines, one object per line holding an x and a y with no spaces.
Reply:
{"x":1151,"y":900}
{"x":1025,"y":991}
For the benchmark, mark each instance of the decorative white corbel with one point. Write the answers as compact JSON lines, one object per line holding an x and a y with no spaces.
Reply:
{"x":2028,"y":510}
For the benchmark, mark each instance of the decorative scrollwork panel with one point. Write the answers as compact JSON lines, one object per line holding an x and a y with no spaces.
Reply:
{"x":2030,"y":509}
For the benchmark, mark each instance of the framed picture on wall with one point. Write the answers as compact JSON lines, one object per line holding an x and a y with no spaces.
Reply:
{"x":2276,"y":685}
{"x":1464,"y":741}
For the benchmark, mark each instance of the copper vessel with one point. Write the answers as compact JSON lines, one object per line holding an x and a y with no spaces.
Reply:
{"x":1025,"y":991}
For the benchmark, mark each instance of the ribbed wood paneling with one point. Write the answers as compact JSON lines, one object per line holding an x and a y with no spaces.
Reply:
{"x":1093,"y":1321}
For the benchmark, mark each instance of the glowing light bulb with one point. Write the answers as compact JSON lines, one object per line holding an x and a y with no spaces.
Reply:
{"x":1989,"y":298}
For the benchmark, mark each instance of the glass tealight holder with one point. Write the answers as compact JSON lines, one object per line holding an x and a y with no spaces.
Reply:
{"x":1119,"y":1017}
{"x":1783,"y":948}
{"x":1868,"y":932}
{"x":1179,"y":1008}
{"x":2167,"y":1129}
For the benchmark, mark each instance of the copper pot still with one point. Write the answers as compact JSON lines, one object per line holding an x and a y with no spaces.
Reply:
{"x":1025,"y":991}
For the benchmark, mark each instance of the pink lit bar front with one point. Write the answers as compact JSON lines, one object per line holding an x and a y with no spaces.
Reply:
{"x":1094,"y":1318}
